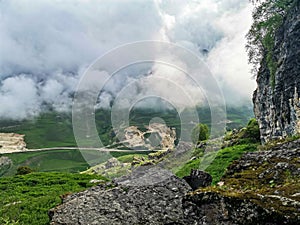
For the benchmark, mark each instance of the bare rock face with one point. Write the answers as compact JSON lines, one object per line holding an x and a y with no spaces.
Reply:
{"x":156,"y":136}
{"x":277,"y":108}
{"x":212,"y":208}
{"x":11,"y":142}
{"x":198,"y":178}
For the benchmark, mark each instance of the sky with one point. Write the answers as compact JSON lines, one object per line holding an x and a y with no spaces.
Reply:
{"x":46,"y":46}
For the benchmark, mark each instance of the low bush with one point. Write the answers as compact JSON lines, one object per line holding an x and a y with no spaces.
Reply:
{"x":22,"y":170}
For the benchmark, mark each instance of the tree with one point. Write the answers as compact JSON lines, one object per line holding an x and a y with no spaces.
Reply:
{"x":200,"y":133}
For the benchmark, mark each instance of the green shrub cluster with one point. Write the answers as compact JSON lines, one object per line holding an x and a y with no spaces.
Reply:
{"x":200,"y":133}
{"x":249,"y":134}
{"x":252,"y":130}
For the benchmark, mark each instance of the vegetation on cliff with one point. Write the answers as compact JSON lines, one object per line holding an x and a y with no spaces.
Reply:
{"x":267,"y":18}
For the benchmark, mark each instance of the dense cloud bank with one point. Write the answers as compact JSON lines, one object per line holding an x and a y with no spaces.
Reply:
{"x":47,"y":45}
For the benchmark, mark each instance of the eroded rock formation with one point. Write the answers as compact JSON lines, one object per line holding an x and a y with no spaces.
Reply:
{"x":10,"y":142}
{"x":157,"y":136}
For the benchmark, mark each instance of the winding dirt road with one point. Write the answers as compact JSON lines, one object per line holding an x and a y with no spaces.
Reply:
{"x":2,"y":151}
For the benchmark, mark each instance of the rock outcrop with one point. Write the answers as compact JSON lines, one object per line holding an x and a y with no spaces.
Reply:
{"x":270,"y":179}
{"x":277,"y":108}
{"x":260,"y":188}
{"x":213,"y":208}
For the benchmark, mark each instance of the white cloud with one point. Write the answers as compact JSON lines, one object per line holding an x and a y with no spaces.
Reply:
{"x":47,"y":45}
{"x":18,"y":98}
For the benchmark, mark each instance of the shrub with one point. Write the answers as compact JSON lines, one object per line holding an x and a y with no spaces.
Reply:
{"x":252,"y":130}
{"x":200,"y":133}
{"x":249,"y":134}
{"x":22,"y":170}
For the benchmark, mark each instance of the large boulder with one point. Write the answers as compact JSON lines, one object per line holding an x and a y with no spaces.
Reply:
{"x":137,"y":199}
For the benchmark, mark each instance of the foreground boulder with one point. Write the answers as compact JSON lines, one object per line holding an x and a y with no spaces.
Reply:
{"x":127,"y":201}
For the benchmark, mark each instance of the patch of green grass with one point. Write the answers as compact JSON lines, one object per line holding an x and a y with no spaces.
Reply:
{"x":186,"y":169}
{"x":63,"y":160}
{"x":225,"y":157}
{"x":129,"y":158}
{"x":26,"y":199}
{"x":219,"y":164}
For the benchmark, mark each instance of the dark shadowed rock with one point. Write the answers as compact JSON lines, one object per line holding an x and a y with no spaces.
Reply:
{"x":212,"y":208}
{"x":198,"y":178}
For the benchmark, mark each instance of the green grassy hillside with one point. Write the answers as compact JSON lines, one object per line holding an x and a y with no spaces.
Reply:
{"x":52,"y":129}
{"x":26,"y":199}
{"x":55,"y":130}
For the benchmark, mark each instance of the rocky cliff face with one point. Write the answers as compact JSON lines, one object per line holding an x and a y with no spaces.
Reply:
{"x":277,"y":108}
